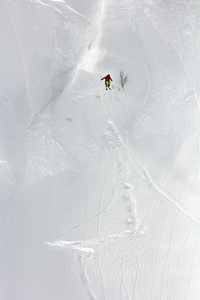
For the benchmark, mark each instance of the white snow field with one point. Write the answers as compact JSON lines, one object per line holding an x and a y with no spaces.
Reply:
{"x":99,"y":190}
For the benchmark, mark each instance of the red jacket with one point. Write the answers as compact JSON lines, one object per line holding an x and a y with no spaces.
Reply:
{"x":107,"y":78}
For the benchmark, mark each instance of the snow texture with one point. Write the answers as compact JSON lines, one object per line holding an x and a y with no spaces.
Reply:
{"x":99,"y":190}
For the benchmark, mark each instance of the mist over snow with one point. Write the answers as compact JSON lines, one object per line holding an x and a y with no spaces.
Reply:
{"x":99,"y":189}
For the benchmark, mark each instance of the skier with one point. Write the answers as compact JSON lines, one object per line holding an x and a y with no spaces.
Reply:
{"x":107,"y":81}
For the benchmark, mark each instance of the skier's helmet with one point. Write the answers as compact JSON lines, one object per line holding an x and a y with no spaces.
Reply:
{"x":108,"y":75}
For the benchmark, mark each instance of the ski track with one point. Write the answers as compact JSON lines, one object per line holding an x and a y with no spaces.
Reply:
{"x":192,"y":266}
{"x":178,"y":151}
{"x":178,"y":263}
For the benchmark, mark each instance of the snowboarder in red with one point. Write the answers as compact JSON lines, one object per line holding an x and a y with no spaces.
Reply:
{"x":107,"y":81}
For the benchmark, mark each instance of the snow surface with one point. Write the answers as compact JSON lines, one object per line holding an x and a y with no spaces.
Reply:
{"x":99,"y":189}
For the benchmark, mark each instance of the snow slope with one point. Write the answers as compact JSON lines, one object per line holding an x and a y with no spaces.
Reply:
{"x":99,"y":189}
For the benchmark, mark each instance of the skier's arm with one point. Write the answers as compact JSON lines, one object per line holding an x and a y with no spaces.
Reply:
{"x":103,"y":78}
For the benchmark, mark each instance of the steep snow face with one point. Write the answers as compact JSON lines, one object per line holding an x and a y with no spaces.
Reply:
{"x":169,"y":28}
{"x":99,"y":189}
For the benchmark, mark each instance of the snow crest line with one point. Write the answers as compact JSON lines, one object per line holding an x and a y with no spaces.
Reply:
{"x":62,"y":3}
{"x":170,"y":198}
{"x":76,"y":12}
{"x":88,"y":246}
